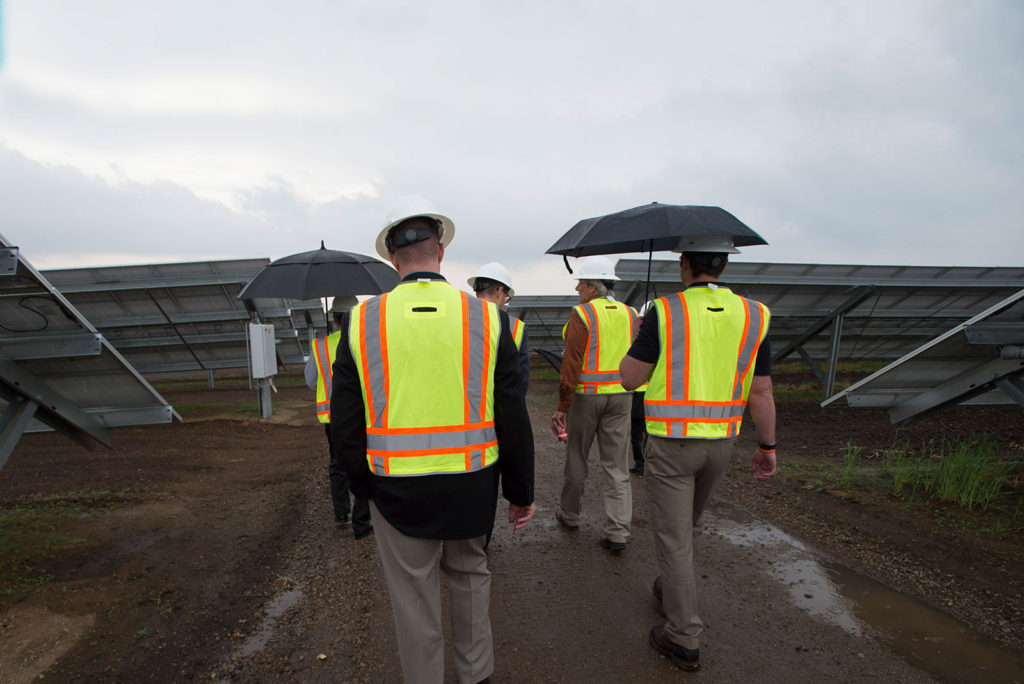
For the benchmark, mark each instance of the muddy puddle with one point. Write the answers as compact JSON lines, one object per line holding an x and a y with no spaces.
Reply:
{"x":926,"y":638}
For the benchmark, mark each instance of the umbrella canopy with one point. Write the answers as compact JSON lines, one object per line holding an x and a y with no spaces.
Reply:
{"x":321,"y":273}
{"x":651,"y":228}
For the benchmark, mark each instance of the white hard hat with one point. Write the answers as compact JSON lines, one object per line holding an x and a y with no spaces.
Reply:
{"x":595,"y":268}
{"x":720,"y":244}
{"x":343,"y":304}
{"x":407,"y":207}
{"x":496,"y":272}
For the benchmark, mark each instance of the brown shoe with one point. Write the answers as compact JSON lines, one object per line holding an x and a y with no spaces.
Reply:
{"x":613,"y":546}
{"x":687,"y":659}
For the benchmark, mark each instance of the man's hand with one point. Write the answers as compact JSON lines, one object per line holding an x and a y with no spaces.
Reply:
{"x":519,"y":516}
{"x":763,"y":464}
{"x":558,"y":422}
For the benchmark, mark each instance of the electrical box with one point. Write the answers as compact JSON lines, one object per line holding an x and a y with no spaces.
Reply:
{"x":261,"y":350}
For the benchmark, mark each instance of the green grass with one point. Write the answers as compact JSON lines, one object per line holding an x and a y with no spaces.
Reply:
{"x":903,"y":471}
{"x":968,"y":472}
{"x":31,"y":532}
{"x":851,"y":461}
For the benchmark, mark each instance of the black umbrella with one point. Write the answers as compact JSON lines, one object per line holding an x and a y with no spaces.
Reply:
{"x":651,"y":228}
{"x":321,"y":273}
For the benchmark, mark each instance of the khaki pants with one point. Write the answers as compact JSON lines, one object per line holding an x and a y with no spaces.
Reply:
{"x":605,"y":416}
{"x":411,"y":567}
{"x":680,"y":477}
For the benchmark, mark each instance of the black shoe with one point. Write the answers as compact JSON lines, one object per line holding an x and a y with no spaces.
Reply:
{"x":637,"y":468}
{"x":687,"y":659}
{"x":365,"y":532}
{"x":613,"y":546}
{"x":341,"y":519}
{"x":565,"y":525}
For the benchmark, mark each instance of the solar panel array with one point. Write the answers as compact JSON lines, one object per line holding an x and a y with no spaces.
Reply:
{"x":186,"y":316}
{"x":56,"y":370}
{"x":820,"y":312}
{"x":889,"y":310}
{"x":980,"y":361}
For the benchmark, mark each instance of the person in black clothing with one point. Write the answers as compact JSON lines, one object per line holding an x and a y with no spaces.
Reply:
{"x":435,"y":523}
{"x":325,"y":348}
{"x":637,"y":432}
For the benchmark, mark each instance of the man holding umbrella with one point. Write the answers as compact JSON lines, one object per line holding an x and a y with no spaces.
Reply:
{"x":318,"y":377}
{"x":704,"y":353}
{"x":429,"y":410}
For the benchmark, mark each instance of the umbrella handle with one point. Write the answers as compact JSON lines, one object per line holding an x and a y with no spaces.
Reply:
{"x":565,"y":259}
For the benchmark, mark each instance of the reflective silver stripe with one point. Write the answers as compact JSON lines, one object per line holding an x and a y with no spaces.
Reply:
{"x":594,"y":376}
{"x":475,"y":373}
{"x":693,"y":411}
{"x":676,"y":340}
{"x":476,"y":460}
{"x":375,"y":358}
{"x":322,"y":356}
{"x":456,"y":440}
{"x":749,"y":346}
{"x":590,"y":315}
{"x":378,"y":469}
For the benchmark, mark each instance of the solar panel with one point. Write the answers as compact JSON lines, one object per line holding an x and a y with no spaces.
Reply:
{"x":544,"y":317}
{"x":980,"y":361}
{"x":186,"y":316}
{"x":827,"y":312}
{"x":56,"y":370}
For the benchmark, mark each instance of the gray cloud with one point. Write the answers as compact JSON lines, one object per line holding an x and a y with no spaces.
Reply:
{"x":843,"y":132}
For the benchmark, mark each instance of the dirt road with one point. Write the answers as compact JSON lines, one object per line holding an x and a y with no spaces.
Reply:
{"x":207,"y":550}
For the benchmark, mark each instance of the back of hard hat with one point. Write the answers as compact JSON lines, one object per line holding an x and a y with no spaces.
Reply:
{"x":595,"y":268}
{"x":409,"y":207}
{"x":493,"y":271}
{"x":343,"y":304}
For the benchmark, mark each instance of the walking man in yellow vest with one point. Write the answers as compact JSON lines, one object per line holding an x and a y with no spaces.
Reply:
{"x":493,"y":283}
{"x":593,"y":403}
{"x":705,"y":355}
{"x":318,"y":377}
{"x":429,"y":410}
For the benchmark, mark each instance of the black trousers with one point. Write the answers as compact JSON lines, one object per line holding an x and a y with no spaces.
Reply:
{"x":637,"y":427}
{"x":340,"y":493}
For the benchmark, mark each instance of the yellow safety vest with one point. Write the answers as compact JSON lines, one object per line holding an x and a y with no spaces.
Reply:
{"x":323,"y":354}
{"x":517,"y":331}
{"x":426,"y":354}
{"x":709,"y":340}
{"x":610,"y":327}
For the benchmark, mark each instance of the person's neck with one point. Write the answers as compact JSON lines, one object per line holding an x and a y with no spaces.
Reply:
{"x":419,"y":266}
{"x":701,"y":279}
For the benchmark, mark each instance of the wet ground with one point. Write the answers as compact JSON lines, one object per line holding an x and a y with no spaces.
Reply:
{"x":214,"y":556}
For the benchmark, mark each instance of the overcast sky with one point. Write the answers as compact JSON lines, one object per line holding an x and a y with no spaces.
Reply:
{"x":843,"y":132}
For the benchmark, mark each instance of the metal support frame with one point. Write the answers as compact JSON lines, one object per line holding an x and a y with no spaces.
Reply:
{"x":53,"y":409}
{"x":812,"y":364}
{"x":1013,"y":386}
{"x":8,"y":260}
{"x":995,"y":333}
{"x":999,"y":372}
{"x":835,"y":318}
{"x":13,"y":423}
{"x":66,"y":344}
